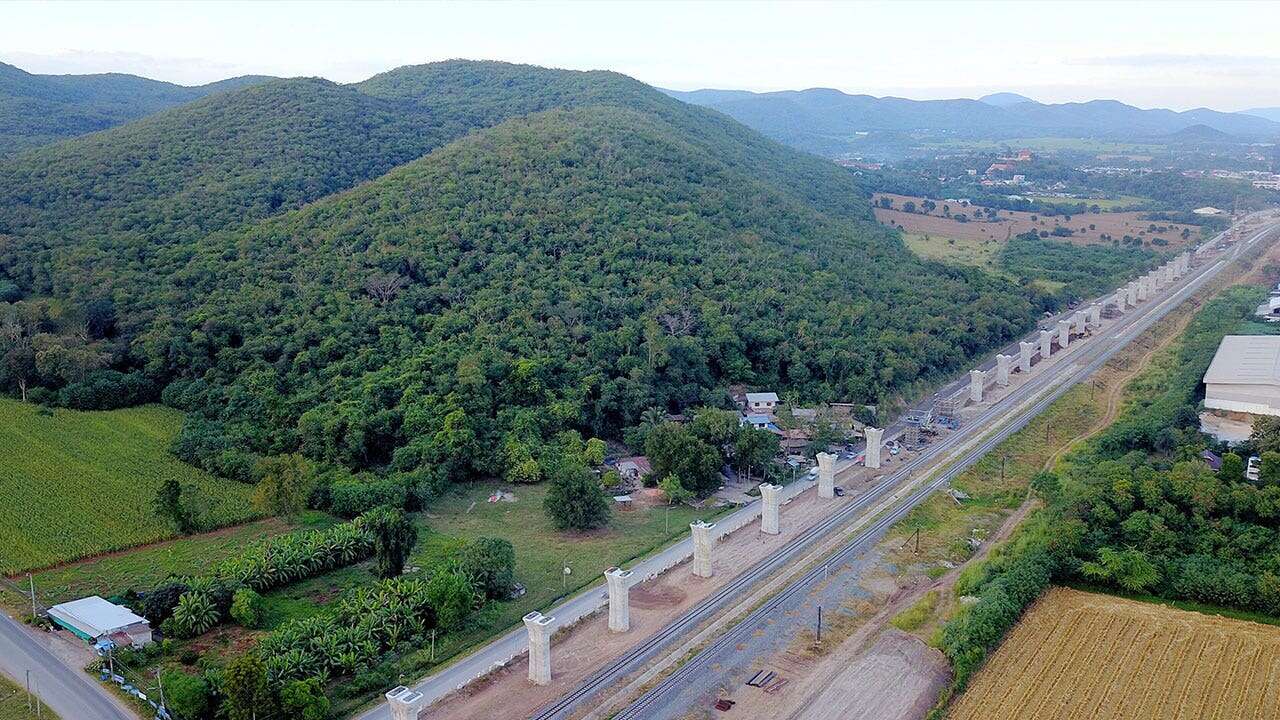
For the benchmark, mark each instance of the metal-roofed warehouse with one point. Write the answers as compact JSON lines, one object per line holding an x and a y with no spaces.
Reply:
{"x":1245,"y":375}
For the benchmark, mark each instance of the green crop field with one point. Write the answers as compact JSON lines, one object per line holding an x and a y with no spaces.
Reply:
{"x":75,"y":484}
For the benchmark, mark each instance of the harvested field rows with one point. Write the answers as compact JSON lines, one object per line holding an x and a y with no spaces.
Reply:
{"x":1081,"y":656}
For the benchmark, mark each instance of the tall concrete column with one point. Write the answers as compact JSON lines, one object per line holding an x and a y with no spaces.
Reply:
{"x":826,"y":475}
{"x":769,"y":506}
{"x":1046,"y":344}
{"x":976,"y":380}
{"x":1144,"y":289}
{"x":1064,"y":333}
{"x":1078,"y":320}
{"x":1131,"y":293}
{"x":540,"y":629}
{"x":1119,"y":300}
{"x":405,"y":704}
{"x":701,"y":548}
{"x":619,"y":598}
{"x":1003,"y":362}
{"x":1025,"y":350}
{"x":874,"y":436}
{"x":1094,"y":314}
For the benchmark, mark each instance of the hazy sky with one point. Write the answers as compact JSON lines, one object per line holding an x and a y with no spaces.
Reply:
{"x":1213,"y":54}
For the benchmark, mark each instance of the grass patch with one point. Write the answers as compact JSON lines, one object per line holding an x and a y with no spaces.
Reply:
{"x":916,"y":615}
{"x":959,"y":251}
{"x":75,"y":484}
{"x":13,"y":704}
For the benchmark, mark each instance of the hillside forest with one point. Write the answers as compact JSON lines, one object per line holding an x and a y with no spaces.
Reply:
{"x":566,"y":252}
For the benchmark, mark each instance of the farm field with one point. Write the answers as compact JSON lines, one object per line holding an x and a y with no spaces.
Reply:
{"x":76,"y":484}
{"x":1077,"y":656}
{"x":1089,"y":227}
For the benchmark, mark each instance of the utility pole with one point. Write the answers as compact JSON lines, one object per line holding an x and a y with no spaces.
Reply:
{"x":160,"y":682}
{"x":31,"y":579}
{"x":819,"y":623}
{"x":433,"y":644}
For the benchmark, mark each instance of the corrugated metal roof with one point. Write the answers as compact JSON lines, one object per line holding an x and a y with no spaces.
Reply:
{"x":94,"y":616}
{"x":1250,"y":359}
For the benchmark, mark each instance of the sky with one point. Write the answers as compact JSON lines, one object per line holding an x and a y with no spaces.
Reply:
{"x":1176,"y":55}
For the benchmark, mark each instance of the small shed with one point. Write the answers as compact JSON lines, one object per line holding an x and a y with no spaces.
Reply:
{"x":92,"y":619}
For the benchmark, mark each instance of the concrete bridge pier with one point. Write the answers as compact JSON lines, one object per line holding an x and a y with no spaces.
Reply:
{"x":540,"y":628}
{"x":619,"y":598}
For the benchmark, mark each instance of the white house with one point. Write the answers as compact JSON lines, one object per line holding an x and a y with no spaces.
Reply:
{"x":762,"y":403}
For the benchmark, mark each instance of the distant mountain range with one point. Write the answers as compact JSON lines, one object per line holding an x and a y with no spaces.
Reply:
{"x":1272,"y":113}
{"x":830,"y":122}
{"x":39,"y":109}
{"x":1004,"y":99}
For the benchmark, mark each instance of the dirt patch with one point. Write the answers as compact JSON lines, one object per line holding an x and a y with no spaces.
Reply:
{"x":899,"y":676}
{"x":1087,"y":228}
{"x":658,"y":596}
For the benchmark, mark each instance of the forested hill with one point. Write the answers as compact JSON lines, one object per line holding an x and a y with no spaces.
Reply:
{"x":40,"y":109}
{"x":140,"y":194}
{"x":566,"y":270}
{"x":600,"y":251}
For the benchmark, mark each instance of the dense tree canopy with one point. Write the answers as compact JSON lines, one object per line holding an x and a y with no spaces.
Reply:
{"x":567,"y":269}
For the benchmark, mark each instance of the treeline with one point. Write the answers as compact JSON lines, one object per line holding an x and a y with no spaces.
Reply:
{"x":1137,"y":510}
{"x":1085,"y":271}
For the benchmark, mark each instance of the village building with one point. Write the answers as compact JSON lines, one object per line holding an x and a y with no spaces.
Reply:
{"x":95,"y":620}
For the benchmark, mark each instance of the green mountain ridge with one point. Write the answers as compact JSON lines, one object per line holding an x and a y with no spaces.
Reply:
{"x":38,"y":110}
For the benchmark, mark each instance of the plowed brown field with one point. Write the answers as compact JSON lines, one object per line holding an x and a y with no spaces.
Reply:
{"x":1081,"y":656}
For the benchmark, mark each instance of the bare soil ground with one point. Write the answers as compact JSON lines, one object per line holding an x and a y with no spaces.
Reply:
{"x":1089,"y":227}
{"x":899,"y":676}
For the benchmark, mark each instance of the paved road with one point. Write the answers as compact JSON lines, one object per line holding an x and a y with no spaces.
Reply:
{"x":716,"y":663}
{"x":69,"y":692}
{"x":514,"y":643}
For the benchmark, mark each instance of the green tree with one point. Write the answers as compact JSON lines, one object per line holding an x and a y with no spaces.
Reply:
{"x":1130,"y":569}
{"x":575,"y":499}
{"x":304,"y":700}
{"x":594,"y":452}
{"x":1269,"y":471}
{"x":1047,"y":485}
{"x":247,"y":608}
{"x":754,"y":449}
{"x":1232,"y":468}
{"x":244,"y":687}
{"x":717,"y":428}
{"x":490,"y":565}
{"x":452,"y":596}
{"x":674,"y":450}
{"x":1265,"y":436}
{"x":167,"y":503}
{"x":394,"y":537}
{"x":186,"y":696}
{"x":285,"y":483}
{"x":674,"y":490}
